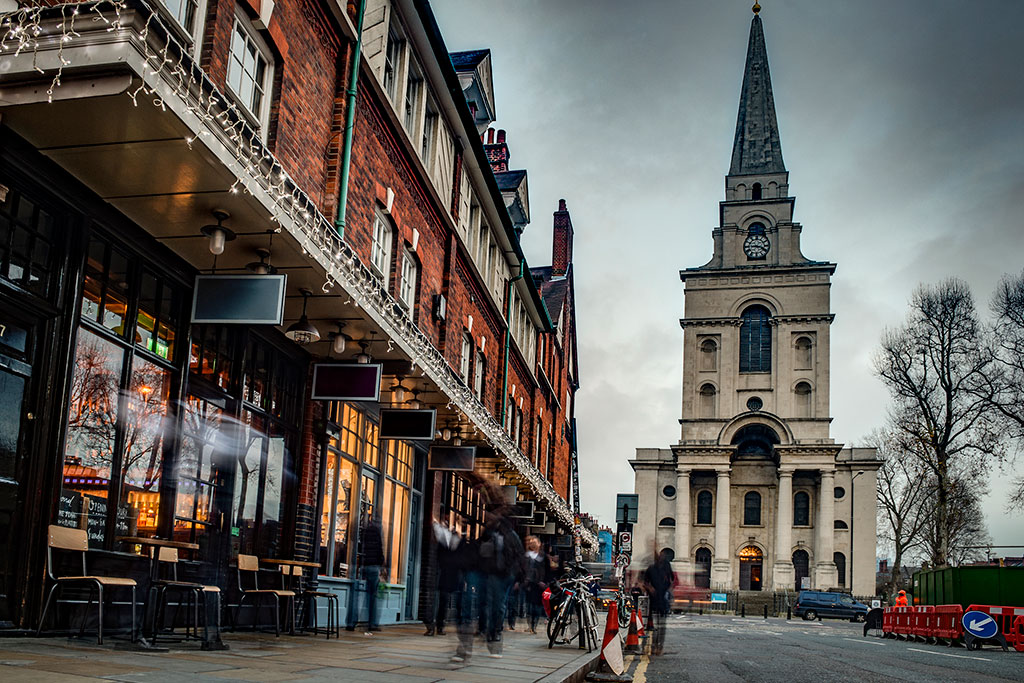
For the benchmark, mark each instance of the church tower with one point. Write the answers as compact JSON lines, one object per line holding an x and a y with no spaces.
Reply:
{"x":761,"y":496}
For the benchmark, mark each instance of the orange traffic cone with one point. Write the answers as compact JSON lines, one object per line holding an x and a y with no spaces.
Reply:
{"x":633,"y":637}
{"x":639,"y":616}
{"x":611,"y":648}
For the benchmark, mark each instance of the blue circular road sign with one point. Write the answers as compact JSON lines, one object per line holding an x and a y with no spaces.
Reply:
{"x":979,"y":624}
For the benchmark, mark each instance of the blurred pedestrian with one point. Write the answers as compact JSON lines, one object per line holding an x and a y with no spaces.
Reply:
{"x":469,"y":597}
{"x":535,"y":580}
{"x":658,"y":581}
{"x":371,"y":565}
{"x":449,"y":575}
{"x":501,"y":561}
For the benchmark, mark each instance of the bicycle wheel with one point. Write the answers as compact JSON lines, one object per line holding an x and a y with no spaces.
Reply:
{"x":625,"y":612}
{"x":559,"y":622}
{"x":588,"y":625}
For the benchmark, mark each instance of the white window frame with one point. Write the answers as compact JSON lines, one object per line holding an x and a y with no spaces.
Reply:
{"x":412,"y":99}
{"x":380,"y":245}
{"x":467,"y":354}
{"x":428,"y":141}
{"x":478,"y":377}
{"x":193,"y":34}
{"x":393,"y":50}
{"x":261,"y":116}
{"x":407,"y":282}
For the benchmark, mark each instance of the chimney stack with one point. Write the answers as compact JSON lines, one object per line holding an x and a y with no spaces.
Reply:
{"x":561,"y":248}
{"x":497,"y":152}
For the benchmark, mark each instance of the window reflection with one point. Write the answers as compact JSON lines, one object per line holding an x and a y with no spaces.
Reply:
{"x":193,"y":508}
{"x":92,"y":423}
{"x":146,"y":404}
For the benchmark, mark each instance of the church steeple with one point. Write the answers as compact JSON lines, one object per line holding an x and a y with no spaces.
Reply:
{"x":756,"y":147}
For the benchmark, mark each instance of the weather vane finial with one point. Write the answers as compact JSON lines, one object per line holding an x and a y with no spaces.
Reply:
{"x":756,"y":7}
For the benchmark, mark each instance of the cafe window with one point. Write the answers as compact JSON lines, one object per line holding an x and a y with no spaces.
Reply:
{"x":353,"y":440}
{"x":202,"y":434}
{"x":394,"y":506}
{"x":27,"y":243}
{"x":213,"y":355}
{"x":462,"y":506}
{"x":119,"y":404}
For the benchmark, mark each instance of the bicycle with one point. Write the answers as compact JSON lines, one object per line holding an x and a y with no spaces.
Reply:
{"x":624,"y":605}
{"x":575,"y":617}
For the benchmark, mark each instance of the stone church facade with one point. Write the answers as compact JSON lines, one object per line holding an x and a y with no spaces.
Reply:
{"x":756,"y":495}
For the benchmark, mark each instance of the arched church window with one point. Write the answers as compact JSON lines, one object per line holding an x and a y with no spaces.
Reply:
{"x":707,"y":401}
{"x":803,"y":353}
{"x":704,"y":502}
{"x":803,"y":399}
{"x":840,"y":561}
{"x":755,"y":340}
{"x":708,"y":355}
{"x":752,"y":508}
{"x":755,"y":191}
{"x":667,"y":521}
{"x":801,"y":509}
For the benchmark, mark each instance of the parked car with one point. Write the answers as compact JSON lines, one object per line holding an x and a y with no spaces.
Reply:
{"x":813,"y":604}
{"x":605,"y":597}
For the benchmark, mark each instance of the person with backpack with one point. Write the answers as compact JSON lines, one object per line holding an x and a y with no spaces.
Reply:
{"x":501,"y":562}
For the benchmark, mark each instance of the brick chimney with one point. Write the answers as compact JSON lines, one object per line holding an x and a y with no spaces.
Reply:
{"x":497,"y":151}
{"x":561,"y":248}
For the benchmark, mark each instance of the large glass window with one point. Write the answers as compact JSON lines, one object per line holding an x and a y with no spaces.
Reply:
{"x":801,"y":509}
{"x":755,"y":340}
{"x":120,"y":400}
{"x":196,"y":477}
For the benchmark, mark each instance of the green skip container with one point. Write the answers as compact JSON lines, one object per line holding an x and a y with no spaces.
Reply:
{"x":979,"y":585}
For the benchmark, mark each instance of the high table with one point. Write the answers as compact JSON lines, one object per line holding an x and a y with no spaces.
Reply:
{"x":211,"y":638}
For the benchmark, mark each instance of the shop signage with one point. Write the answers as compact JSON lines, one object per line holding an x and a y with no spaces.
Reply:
{"x":239,"y":299}
{"x":347,"y":382}
{"x":540,"y":518}
{"x":522,"y":510}
{"x":452,"y":458}
{"x":718,"y":598}
{"x":408,"y":425}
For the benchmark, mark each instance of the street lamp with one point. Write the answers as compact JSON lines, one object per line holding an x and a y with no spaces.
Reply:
{"x":853,"y":513}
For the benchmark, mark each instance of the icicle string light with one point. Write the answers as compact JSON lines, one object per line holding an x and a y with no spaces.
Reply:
{"x":171,"y":78}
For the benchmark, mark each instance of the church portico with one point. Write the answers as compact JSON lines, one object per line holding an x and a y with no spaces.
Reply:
{"x":762,"y":497}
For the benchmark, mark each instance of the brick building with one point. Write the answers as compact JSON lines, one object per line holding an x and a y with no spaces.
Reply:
{"x":145,"y":144}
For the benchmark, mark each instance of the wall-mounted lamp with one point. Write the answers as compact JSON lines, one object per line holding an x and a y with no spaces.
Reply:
{"x":218,"y":234}
{"x":303,"y":331}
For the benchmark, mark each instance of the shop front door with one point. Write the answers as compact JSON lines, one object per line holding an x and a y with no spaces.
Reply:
{"x":17,"y":415}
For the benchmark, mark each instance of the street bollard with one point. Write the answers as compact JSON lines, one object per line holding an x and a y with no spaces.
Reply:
{"x":789,"y":613}
{"x":743,"y":610}
{"x":766,"y":611}
{"x":702,"y":611}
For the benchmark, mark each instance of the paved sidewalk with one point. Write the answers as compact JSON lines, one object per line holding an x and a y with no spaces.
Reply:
{"x":396,"y":654}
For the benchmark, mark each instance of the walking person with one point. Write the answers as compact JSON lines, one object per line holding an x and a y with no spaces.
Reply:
{"x":372,"y":564}
{"x":658,"y":581}
{"x":535,"y":580}
{"x":501,"y":559}
{"x":449,"y":571}
{"x":469,"y":598}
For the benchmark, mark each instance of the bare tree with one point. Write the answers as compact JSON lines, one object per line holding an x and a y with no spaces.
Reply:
{"x":1008,"y":308}
{"x":965,"y":525}
{"x":939,"y":369}
{"x":903,"y":497}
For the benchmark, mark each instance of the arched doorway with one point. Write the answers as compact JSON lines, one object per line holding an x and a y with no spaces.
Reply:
{"x":750,"y":568}
{"x":702,"y":568}
{"x":801,"y":567}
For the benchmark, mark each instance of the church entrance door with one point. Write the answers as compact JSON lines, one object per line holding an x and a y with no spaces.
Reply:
{"x":751,"y":564}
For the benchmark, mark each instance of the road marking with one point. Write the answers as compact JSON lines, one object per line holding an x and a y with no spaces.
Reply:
{"x":639,"y":674}
{"x":946,"y":654}
{"x":864,"y":642}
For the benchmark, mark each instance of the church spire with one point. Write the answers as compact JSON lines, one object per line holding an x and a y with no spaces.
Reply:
{"x":756,"y":148}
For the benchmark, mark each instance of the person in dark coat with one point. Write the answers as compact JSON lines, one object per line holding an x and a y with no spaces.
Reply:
{"x":659,"y":580}
{"x":449,"y":574}
{"x":372,"y":564}
{"x":501,"y":562}
{"x":535,"y":580}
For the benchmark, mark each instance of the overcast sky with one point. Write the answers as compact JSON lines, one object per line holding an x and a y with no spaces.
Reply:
{"x":902,"y":127}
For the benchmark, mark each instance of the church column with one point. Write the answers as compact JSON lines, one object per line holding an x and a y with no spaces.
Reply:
{"x":782,"y":569}
{"x":682,"y":545}
{"x":721,"y":566}
{"x":825,"y":566}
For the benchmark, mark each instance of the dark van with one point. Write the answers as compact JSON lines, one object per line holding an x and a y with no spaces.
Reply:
{"x":813,"y":604}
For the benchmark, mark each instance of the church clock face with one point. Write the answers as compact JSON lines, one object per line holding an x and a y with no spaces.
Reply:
{"x":756,"y":246}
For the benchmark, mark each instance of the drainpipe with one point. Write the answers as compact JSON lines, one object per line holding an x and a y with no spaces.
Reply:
{"x":508,"y":342}
{"x":350,"y":119}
